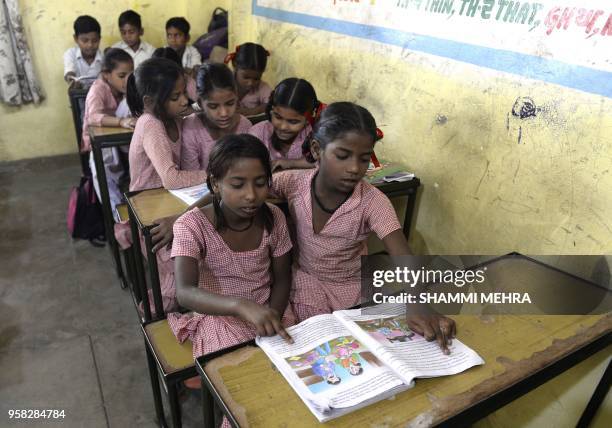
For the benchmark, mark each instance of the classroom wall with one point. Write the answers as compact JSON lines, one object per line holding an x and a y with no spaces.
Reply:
{"x":492,"y":182}
{"x":46,"y":129}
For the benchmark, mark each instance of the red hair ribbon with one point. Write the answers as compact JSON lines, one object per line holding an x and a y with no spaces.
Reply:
{"x":231,"y":56}
{"x":373,"y":158}
{"x":312,"y":119}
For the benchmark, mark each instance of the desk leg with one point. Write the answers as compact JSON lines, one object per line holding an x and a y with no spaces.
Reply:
{"x":109,"y":221}
{"x":410,"y":204}
{"x":140,"y":280}
{"x":77,"y":105}
{"x":154,"y":276}
{"x":598,"y":397}
{"x":207,"y":407}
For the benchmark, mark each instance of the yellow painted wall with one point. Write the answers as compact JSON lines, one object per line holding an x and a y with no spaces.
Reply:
{"x":47,"y":129}
{"x":483,"y":192}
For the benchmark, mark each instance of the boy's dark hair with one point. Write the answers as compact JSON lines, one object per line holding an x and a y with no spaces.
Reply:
{"x":114,"y":56}
{"x":338,"y":119}
{"x":213,"y":76}
{"x":250,"y":56}
{"x":180,"y":24}
{"x":130,"y":17}
{"x":86,"y":24}
{"x":225,"y":152}
{"x":296,"y":94}
{"x":167,"y":53}
{"x":155,"y":78}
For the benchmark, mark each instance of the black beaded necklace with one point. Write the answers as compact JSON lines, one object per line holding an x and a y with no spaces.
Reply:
{"x":243,"y":229}
{"x":318,"y":201}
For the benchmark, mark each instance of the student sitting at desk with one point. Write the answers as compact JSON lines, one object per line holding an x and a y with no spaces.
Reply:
{"x":292,"y":108}
{"x":156,"y":94}
{"x":105,"y":106}
{"x":106,"y":94}
{"x":83,"y":62}
{"x":190,"y":82}
{"x":217,"y":98}
{"x":335,"y":211}
{"x":249,"y":63}
{"x":177,"y":35}
{"x":232,"y":257}
{"x":130,"y":28}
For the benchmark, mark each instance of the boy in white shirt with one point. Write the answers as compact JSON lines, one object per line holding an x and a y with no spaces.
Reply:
{"x":83,"y":62}
{"x":177,"y":35}
{"x":130,"y":27}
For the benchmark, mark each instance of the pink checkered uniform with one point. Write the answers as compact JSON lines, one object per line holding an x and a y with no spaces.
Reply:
{"x":256,"y":97}
{"x":154,"y":162}
{"x":197,"y":141}
{"x":327,"y":269}
{"x":265,"y":130}
{"x":245,"y":274}
{"x":100,"y":102}
{"x":155,"y":158}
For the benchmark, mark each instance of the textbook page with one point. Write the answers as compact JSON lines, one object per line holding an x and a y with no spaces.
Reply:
{"x":190,"y":195}
{"x":329,"y":368}
{"x":384,"y":330}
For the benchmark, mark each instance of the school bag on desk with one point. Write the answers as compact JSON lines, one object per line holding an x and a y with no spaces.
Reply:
{"x":84,"y":216}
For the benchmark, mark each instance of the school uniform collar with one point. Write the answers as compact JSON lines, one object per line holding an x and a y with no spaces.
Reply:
{"x":79,"y":55}
{"x":125,"y":47}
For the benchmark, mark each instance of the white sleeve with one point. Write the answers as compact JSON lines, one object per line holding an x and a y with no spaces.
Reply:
{"x":70,"y":62}
{"x":195,"y":57}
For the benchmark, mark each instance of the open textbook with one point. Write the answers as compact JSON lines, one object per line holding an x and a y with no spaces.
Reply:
{"x":343,"y":361}
{"x":190,"y":195}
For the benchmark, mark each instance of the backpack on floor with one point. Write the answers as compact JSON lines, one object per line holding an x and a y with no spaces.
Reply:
{"x":84,"y":216}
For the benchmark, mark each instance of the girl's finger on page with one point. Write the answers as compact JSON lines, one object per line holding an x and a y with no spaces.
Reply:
{"x":278,"y":326}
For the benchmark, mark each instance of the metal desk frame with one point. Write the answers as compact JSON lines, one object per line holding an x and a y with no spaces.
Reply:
{"x":98,"y":143}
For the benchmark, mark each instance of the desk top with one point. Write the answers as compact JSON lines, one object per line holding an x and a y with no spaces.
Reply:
{"x":152,"y":204}
{"x":513,"y":347}
{"x":149,"y":205}
{"x":110,"y":133}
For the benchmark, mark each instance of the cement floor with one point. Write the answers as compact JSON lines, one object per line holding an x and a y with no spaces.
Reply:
{"x":69,"y":335}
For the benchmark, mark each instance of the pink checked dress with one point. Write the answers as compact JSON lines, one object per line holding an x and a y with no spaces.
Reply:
{"x":257,"y":97}
{"x":264,"y":131}
{"x":327,"y":270}
{"x":100,"y":102}
{"x":154,"y":162}
{"x":245,"y":274}
{"x":197,"y":141}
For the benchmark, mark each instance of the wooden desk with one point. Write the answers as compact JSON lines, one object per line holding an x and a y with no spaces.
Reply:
{"x":520,"y":353}
{"x":102,"y":138}
{"x":106,"y":135}
{"x":149,"y":205}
